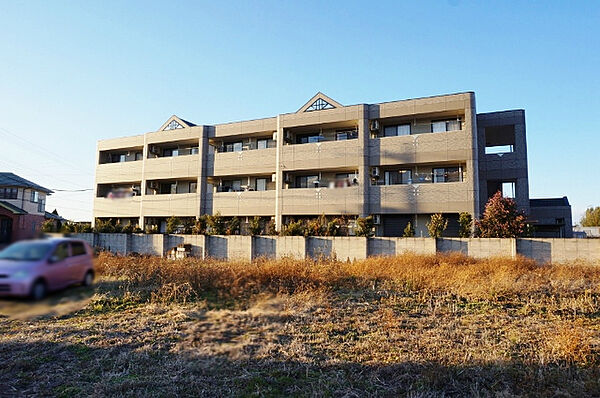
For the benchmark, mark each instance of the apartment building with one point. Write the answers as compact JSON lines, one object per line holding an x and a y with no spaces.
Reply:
{"x":22,"y":207}
{"x":400,"y":161}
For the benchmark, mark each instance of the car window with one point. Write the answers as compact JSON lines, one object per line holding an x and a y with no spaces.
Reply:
{"x":77,"y":249}
{"x":61,"y":252}
{"x":26,"y":251}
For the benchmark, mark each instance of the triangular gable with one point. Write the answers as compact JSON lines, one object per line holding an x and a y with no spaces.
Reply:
{"x":318,"y":103}
{"x":175,"y":123}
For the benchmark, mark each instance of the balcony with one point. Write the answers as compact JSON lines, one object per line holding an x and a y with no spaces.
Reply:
{"x":449,"y":197}
{"x":245,"y":162}
{"x":119,"y":172}
{"x":420,"y":148}
{"x":166,"y":205}
{"x":172,"y":167}
{"x":117,"y":207}
{"x":315,"y":201}
{"x":246,"y":203}
{"x":321,"y":155}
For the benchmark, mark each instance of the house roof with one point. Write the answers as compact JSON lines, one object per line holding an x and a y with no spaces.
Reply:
{"x":12,"y":208}
{"x":52,"y":216}
{"x":549,"y":202}
{"x":13,"y":180}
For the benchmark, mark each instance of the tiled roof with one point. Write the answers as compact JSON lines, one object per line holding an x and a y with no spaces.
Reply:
{"x":13,"y":180}
{"x":549,"y":202}
{"x":12,"y":208}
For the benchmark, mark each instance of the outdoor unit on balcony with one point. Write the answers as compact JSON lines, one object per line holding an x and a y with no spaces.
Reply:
{"x":376,"y":219}
{"x":273,"y":177}
{"x":375,"y":172}
{"x":275,"y":136}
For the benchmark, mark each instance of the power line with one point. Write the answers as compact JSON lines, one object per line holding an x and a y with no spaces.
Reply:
{"x":42,"y":150}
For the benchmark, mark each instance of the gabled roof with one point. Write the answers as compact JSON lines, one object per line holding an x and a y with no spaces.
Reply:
{"x":549,"y":202}
{"x":174,"y":123}
{"x":12,"y":208}
{"x":319,"y":102}
{"x":52,"y":216}
{"x":13,"y":180}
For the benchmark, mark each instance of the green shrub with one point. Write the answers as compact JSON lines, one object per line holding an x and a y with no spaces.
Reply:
{"x":365,"y":226}
{"x":254,"y":226}
{"x":466,"y":223}
{"x":216,"y":224}
{"x":293,"y":228}
{"x":233,"y":226}
{"x":437,"y":225}
{"x":409,"y":231}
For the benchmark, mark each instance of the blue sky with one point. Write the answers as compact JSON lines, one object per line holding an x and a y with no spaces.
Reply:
{"x":75,"y":72}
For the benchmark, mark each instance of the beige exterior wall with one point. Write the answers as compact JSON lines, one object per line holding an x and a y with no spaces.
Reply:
{"x":421,"y":151}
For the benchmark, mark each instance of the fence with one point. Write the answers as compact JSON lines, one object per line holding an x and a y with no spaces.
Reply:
{"x":351,"y":248}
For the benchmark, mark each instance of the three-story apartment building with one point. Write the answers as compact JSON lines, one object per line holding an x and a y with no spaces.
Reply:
{"x":400,"y":161}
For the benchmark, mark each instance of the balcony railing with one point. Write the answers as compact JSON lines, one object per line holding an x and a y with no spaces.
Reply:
{"x":411,"y":128}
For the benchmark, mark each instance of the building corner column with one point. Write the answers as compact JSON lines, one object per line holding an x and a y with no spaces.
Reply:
{"x":278,"y":175}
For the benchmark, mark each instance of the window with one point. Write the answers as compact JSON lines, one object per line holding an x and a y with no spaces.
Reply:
{"x":508,"y":189}
{"x":232,"y":186}
{"x":447,"y":174}
{"x":122,"y":158}
{"x":261,"y":184}
{"x":499,"y":139}
{"x":262,"y":144}
{"x":138,"y":156}
{"x":61,"y":252}
{"x":193,"y":187}
{"x":392,"y":131}
{"x":194,"y":151}
{"x":175,"y":152}
{"x":398,"y":177}
{"x":35,"y":196}
{"x":117,"y":158}
{"x":445,"y":125}
{"x":346,"y":135}
{"x":42,"y":206}
{"x":305,"y":139}
{"x":8,"y":193}
{"x":237,"y":146}
{"x":77,"y":249}
{"x":310,"y":181}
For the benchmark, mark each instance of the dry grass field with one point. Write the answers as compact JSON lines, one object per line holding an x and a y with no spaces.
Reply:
{"x":417,"y":326}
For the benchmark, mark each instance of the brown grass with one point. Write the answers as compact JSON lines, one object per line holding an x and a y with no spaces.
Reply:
{"x":419,"y":326}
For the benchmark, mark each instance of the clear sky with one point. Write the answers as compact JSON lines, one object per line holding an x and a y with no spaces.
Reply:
{"x":76,"y":72}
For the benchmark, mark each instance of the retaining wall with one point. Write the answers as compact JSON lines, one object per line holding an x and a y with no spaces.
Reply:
{"x":352,"y":248}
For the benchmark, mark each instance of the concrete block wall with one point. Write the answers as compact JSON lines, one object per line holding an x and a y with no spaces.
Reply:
{"x":559,"y":250}
{"x":151,"y":244}
{"x":198,"y":243}
{"x":343,"y":248}
{"x":385,"y":246}
{"x":291,"y":246}
{"x":264,"y":246}
{"x":352,"y":248}
{"x":478,"y":247}
{"x":233,"y":247}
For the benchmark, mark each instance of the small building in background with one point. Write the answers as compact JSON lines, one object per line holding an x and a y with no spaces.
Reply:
{"x":22,"y":208}
{"x":586,"y":232}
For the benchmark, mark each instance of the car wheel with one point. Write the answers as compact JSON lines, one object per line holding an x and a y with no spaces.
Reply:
{"x":88,"y":279}
{"x":38,"y":290}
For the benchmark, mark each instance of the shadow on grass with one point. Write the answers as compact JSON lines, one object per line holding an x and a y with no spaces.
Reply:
{"x":59,"y":369}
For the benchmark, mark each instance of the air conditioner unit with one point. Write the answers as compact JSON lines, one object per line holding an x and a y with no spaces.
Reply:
{"x":375,"y":172}
{"x":376,"y":219}
{"x":275,"y":136}
{"x":154,"y":185}
{"x":374,"y":125}
{"x":273,"y":177}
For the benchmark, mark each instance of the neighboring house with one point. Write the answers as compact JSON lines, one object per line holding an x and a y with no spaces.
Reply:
{"x":22,"y":208}
{"x":400,"y":161}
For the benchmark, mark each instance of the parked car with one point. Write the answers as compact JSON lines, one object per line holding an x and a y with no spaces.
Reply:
{"x":33,"y":268}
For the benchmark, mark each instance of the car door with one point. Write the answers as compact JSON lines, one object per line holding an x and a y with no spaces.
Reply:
{"x":79,"y":261}
{"x":58,"y":270}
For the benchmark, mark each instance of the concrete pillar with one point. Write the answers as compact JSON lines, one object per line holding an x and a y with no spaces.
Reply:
{"x":363,"y":166}
{"x":143,"y":183}
{"x":201,"y":186}
{"x":470,"y":125}
{"x":278,"y":174}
